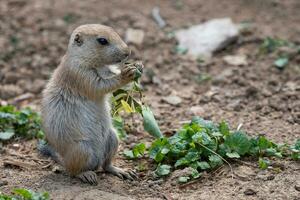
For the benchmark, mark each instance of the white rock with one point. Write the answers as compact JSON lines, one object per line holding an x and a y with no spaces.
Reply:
{"x":134,"y":36}
{"x":173,"y":100}
{"x":237,"y":60}
{"x":204,"y":39}
{"x":197,"y":111}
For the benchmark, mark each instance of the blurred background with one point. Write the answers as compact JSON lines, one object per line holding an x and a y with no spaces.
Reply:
{"x":236,"y":60}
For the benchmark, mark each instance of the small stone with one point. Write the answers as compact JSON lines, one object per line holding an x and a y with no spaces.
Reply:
{"x":249,"y":192}
{"x":297,"y":187}
{"x":173,"y":100}
{"x":3,"y":182}
{"x":236,"y":105}
{"x":11,"y":77}
{"x":9,"y":91}
{"x":244,"y":172}
{"x":265,"y":176}
{"x":23,"y":97}
{"x":251,"y":91}
{"x":223,"y":77}
{"x":236,"y":60}
{"x":16,"y":146}
{"x":182,"y":172}
{"x":196,"y":111}
{"x":134,"y":36}
{"x":56,"y":169}
{"x":204,"y":39}
{"x":156,"y":80}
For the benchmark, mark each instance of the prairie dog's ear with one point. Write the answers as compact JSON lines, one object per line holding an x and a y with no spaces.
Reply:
{"x":78,"y":40}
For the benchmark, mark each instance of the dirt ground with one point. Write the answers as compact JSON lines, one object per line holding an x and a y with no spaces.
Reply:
{"x":34,"y":36}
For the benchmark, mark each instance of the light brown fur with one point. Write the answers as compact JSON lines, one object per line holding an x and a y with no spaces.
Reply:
{"x":75,"y":108}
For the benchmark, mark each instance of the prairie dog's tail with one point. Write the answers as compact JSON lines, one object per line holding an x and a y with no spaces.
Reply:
{"x":46,"y":150}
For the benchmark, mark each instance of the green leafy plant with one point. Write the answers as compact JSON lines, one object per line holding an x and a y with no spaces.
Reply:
{"x":296,"y":150}
{"x":22,"y":122}
{"x":137,"y":151}
{"x":204,"y":145}
{"x":273,"y":45}
{"x":25,"y":194}
{"x":129,"y":100}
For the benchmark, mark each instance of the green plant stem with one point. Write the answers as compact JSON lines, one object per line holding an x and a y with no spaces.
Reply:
{"x":219,"y":157}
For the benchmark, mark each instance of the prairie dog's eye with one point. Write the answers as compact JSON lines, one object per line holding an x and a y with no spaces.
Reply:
{"x":102,"y":41}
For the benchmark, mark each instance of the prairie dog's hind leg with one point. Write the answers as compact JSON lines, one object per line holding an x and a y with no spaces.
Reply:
{"x":111,"y":149}
{"x":80,"y":161}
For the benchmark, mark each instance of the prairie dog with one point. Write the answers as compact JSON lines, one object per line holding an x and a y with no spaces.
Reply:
{"x":75,"y":108}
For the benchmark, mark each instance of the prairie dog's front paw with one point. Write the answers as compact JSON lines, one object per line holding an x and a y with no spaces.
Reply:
{"x":130,"y":73}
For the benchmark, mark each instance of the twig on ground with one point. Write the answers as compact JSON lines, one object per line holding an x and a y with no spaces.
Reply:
{"x":220,"y":158}
{"x":156,"y":16}
{"x":17,"y":163}
{"x":167,"y":196}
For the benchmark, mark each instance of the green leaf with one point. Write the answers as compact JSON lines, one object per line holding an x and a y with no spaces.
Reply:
{"x":165,"y":150}
{"x":26,"y":194}
{"x":263,"y":163}
{"x":155,"y":151}
{"x":232,"y":155}
{"x":203,"y":165}
{"x":273,"y":152}
{"x":238,"y":142}
{"x":224,"y":129}
{"x":126,"y":106}
{"x":129,"y":154}
{"x":139,"y":150}
{"x":215,"y":161}
{"x":163,"y":170}
{"x":195,"y":174}
{"x":137,"y":74}
{"x":8,"y":134}
{"x":119,"y":126}
{"x":202,"y":138}
{"x":263,"y":143}
{"x":181,"y":50}
{"x":295,"y":155}
{"x":183,"y":179}
{"x":6,"y":197}
{"x":150,"y":124}
{"x":280,"y":63}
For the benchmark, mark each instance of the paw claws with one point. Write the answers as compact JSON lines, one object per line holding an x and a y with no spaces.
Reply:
{"x":88,"y":177}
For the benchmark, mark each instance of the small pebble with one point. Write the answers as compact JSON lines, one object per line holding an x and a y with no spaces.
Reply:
{"x":2,"y":183}
{"x":297,"y":187}
{"x":249,"y":192}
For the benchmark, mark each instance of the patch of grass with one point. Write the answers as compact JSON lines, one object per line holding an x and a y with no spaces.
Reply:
{"x":22,"y":122}
{"x":25,"y":194}
{"x":273,"y":46}
{"x":204,"y":145}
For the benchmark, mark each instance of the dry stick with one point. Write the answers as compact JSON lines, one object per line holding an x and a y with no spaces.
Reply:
{"x":188,"y":183}
{"x":27,"y":157}
{"x":24,"y":165}
{"x":219,"y":157}
{"x":156,"y":16}
{"x":245,"y":163}
{"x":192,"y":182}
{"x":167,"y":196}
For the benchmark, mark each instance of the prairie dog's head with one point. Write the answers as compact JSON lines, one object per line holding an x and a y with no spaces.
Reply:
{"x":97,"y":45}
